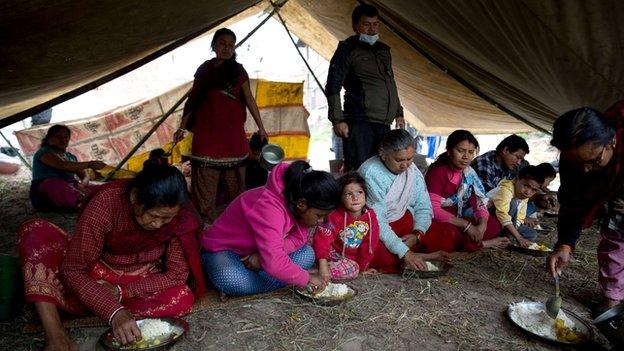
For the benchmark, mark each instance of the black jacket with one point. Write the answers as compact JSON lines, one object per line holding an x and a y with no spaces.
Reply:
{"x":365,"y":71}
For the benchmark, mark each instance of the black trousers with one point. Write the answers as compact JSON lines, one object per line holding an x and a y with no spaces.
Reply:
{"x":362,"y":143}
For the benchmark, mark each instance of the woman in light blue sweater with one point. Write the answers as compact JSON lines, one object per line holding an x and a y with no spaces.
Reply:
{"x":397,"y":193}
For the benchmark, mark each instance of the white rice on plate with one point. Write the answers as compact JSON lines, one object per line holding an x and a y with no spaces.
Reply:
{"x":431,"y":266}
{"x":334,"y":291}
{"x":153,"y":328}
{"x":533,"y":317}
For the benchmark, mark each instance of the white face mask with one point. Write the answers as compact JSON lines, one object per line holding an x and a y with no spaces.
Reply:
{"x":371,"y":39}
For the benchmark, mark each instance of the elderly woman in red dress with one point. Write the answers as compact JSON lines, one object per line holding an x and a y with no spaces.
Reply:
{"x":215,"y":112}
{"x":130,"y":257}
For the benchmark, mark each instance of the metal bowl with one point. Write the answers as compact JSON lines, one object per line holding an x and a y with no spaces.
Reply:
{"x":530,"y":252}
{"x":443,"y":269}
{"x":583,"y":327}
{"x":108,"y":341}
{"x":326,"y":301}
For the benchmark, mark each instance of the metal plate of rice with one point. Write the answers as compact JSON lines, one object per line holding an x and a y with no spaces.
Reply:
{"x":326,"y":301}
{"x":531,"y":318}
{"x":173,"y":329}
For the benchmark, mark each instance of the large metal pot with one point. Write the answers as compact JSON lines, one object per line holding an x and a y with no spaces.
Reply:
{"x":611,"y":324}
{"x":271,"y":155}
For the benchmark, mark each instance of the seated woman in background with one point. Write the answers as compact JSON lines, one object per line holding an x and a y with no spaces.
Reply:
{"x":59,"y":180}
{"x":453,"y":186}
{"x":130,"y":257}
{"x":397,"y":194}
{"x":259,"y":243}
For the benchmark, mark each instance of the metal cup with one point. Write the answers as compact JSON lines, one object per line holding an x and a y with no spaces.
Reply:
{"x":271,"y":155}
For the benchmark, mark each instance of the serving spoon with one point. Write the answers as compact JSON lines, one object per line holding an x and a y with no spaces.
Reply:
{"x":553,"y":304}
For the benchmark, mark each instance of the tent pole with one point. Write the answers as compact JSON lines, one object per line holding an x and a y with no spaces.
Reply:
{"x":453,"y":75}
{"x":256,"y":28}
{"x":299,"y":52}
{"x":18,"y":153}
{"x":172,"y":109}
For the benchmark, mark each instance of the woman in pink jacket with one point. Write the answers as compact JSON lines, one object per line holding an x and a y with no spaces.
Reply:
{"x":259,"y":243}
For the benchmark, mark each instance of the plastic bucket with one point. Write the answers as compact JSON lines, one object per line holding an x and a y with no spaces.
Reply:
{"x":10,"y":287}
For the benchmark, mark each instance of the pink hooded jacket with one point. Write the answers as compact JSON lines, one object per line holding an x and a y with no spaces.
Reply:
{"x":259,"y":221}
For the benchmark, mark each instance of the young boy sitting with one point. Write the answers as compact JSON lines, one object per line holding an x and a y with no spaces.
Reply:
{"x":510,"y":200}
{"x":544,"y":198}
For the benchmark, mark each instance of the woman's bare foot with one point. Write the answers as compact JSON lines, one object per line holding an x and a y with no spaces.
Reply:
{"x":60,"y":341}
{"x":56,"y":337}
{"x":500,"y":242}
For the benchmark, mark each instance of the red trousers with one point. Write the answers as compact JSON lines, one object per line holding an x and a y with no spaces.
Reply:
{"x":42,"y":247}
{"x":439,"y":237}
{"x":56,"y":194}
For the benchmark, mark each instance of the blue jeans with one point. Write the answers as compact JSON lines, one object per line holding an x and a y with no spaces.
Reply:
{"x":229,"y":275}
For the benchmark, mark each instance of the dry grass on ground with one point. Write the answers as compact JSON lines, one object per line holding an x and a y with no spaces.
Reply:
{"x":461,"y":311}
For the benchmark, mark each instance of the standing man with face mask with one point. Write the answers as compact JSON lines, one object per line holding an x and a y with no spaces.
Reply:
{"x":363,"y":66}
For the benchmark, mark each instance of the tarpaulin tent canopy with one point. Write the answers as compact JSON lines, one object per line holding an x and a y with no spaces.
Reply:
{"x":470,"y":64}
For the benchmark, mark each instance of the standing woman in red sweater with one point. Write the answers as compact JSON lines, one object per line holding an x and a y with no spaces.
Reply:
{"x":215,"y":112}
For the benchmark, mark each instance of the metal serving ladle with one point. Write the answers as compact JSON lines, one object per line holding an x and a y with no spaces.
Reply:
{"x":553,"y":304}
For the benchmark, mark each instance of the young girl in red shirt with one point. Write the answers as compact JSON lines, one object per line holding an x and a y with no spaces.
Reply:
{"x":345,"y":244}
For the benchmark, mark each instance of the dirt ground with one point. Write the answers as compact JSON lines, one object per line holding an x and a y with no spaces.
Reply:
{"x":460,"y":311}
